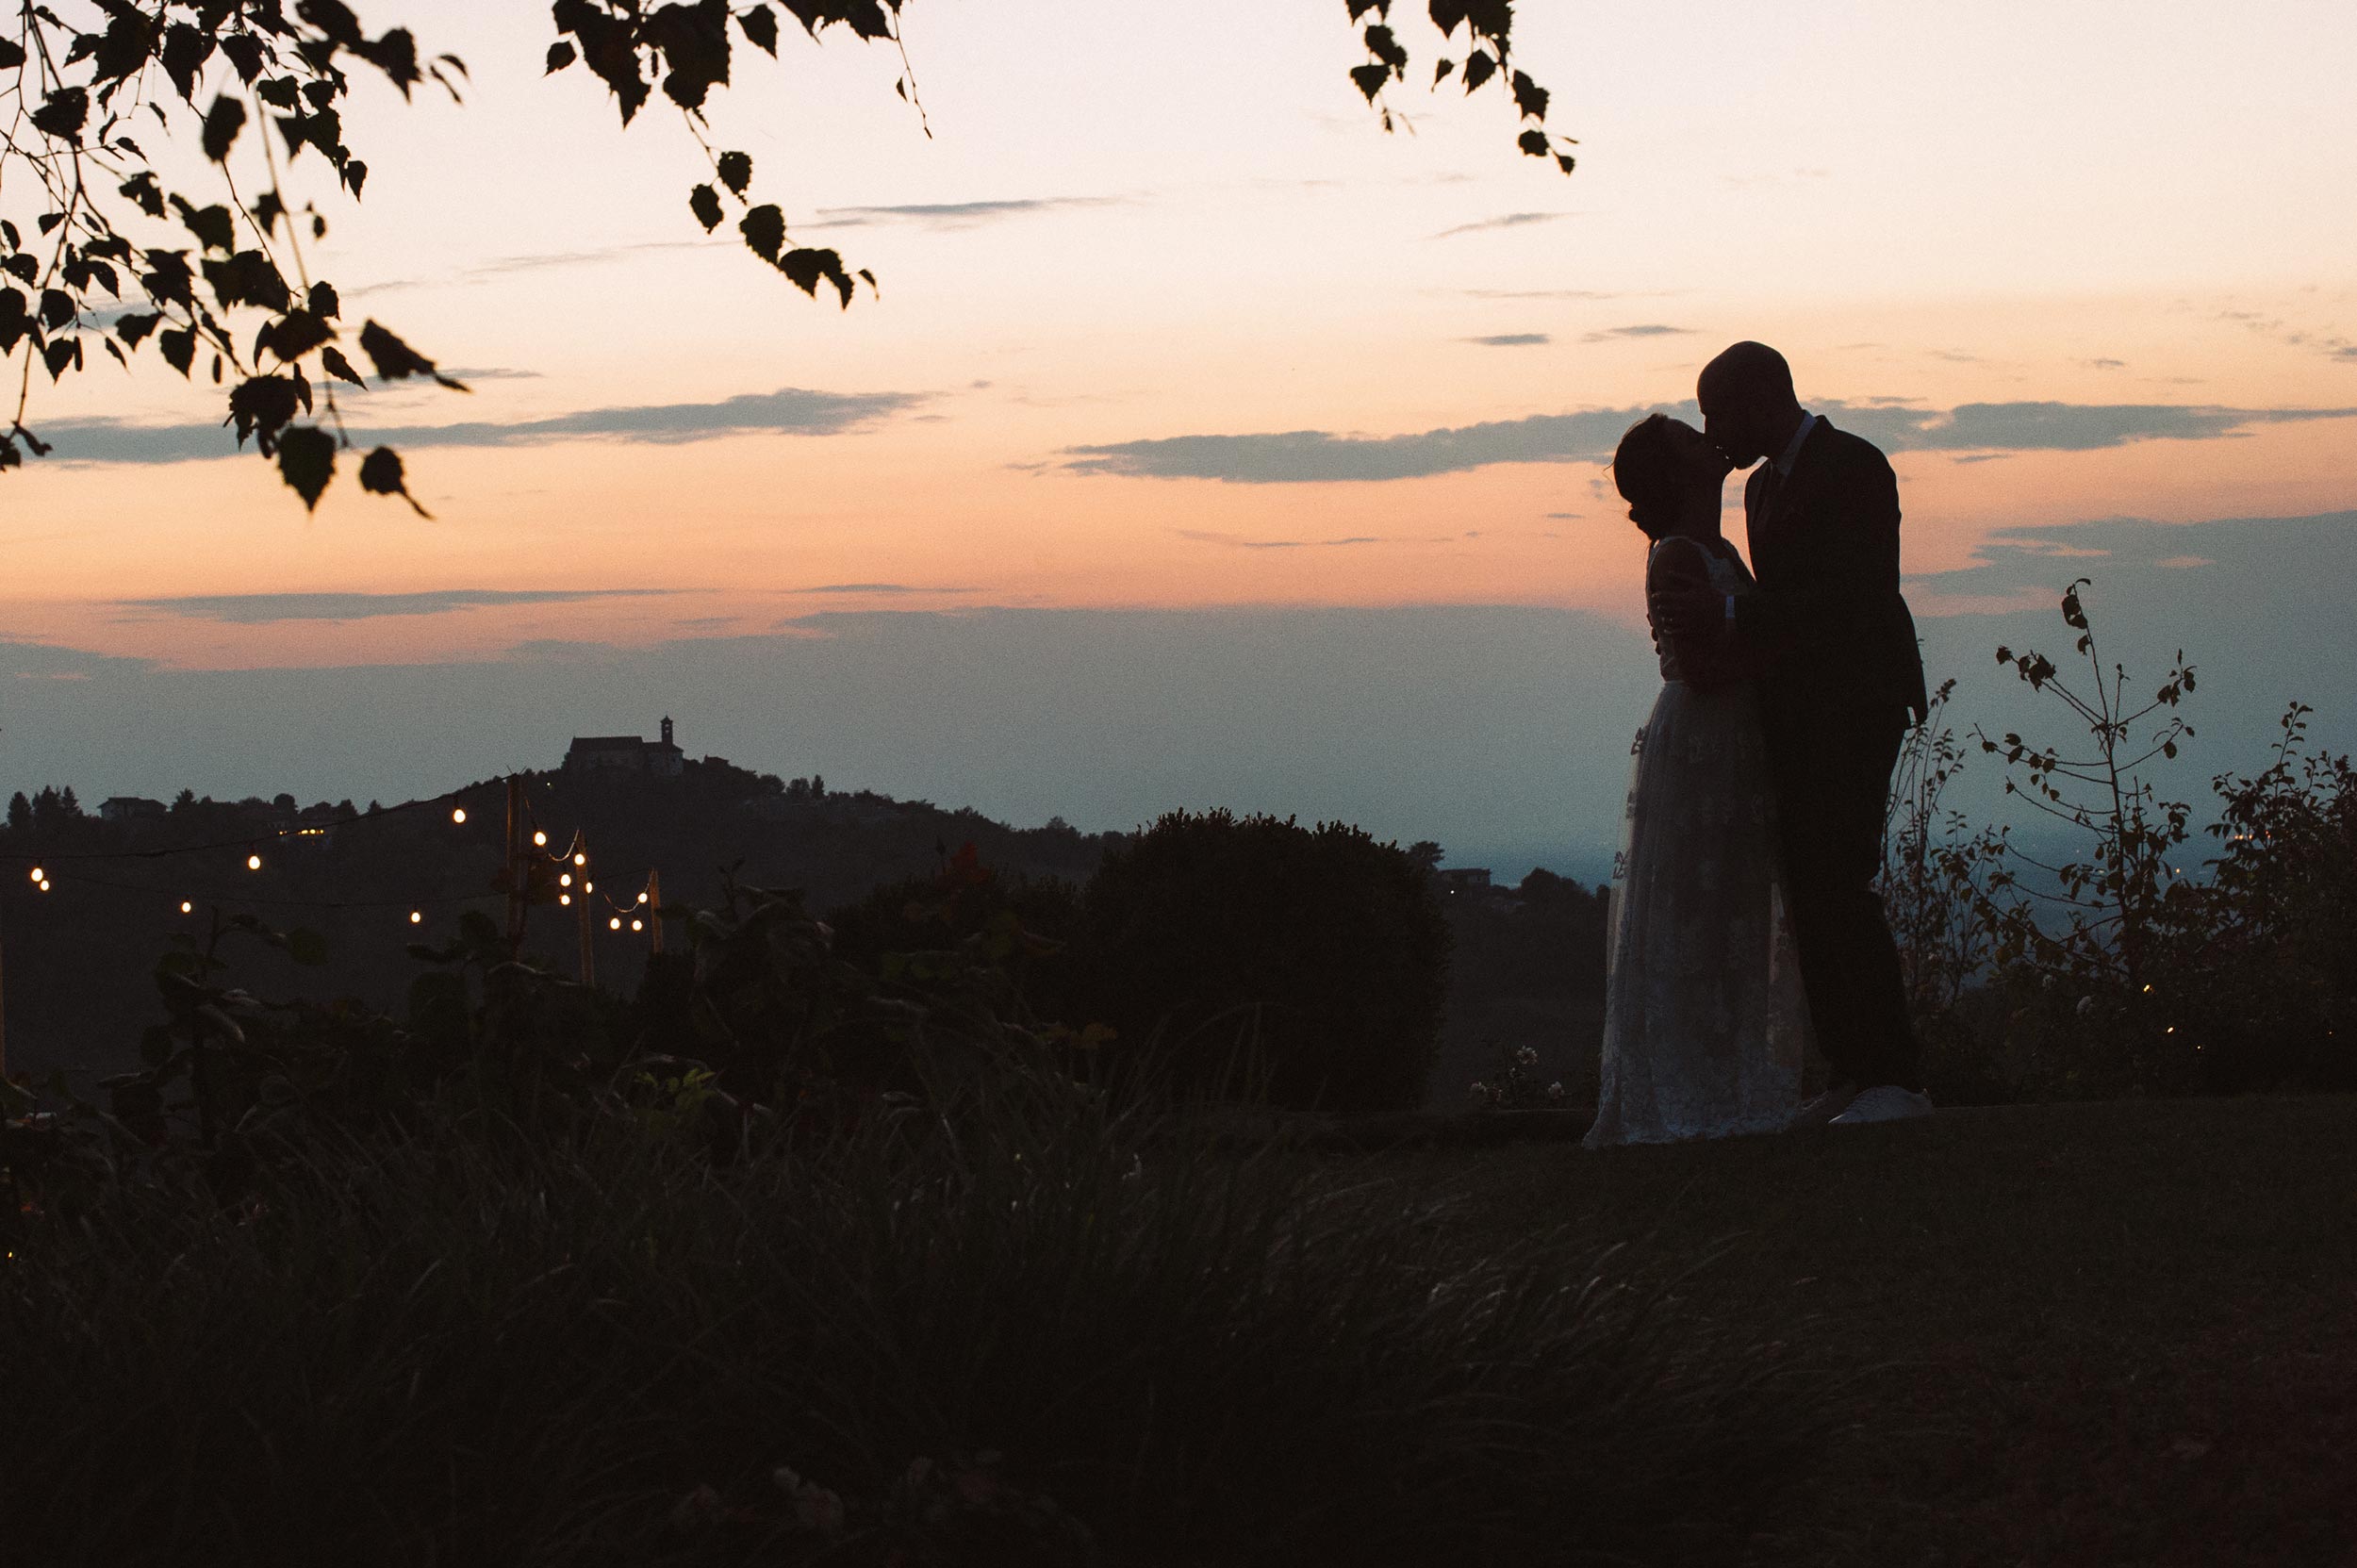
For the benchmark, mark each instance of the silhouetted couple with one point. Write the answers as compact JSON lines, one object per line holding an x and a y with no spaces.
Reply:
{"x":1746,"y":920}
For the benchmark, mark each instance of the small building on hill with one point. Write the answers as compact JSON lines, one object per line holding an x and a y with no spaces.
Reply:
{"x":131,"y":808}
{"x":658,"y":759}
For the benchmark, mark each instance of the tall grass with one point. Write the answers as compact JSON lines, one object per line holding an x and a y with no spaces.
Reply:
{"x":1105,"y":1338}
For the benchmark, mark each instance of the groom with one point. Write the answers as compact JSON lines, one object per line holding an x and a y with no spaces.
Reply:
{"x":1839,"y":681}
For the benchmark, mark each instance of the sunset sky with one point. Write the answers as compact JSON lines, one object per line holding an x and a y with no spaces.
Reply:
{"x":1205,"y":445}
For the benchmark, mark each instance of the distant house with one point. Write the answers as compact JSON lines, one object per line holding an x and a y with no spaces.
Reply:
{"x":658,"y":759}
{"x":131,"y":808}
{"x":1470,"y":878}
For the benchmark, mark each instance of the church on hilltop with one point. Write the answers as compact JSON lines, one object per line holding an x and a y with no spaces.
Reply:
{"x":655,"y":759}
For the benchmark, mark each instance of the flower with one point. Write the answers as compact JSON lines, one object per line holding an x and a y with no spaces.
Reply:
{"x":1528,"y":1056}
{"x":2086,"y":1007}
{"x":1479,"y":1089}
{"x":1555,"y":1090}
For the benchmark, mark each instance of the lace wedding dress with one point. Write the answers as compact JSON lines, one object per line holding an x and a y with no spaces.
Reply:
{"x":1705,"y":1025}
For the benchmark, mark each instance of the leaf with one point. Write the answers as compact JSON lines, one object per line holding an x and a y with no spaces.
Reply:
{"x":1480,"y":67}
{"x":262,"y":405}
{"x":245,"y":52}
{"x":760,"y":25}
{"x":560,"y":54}
{"x":214,"y":227}
{"x":736,"y":172}
{"x":1369,"y":78}
{"x":764,"y":229}
{"x":15,"y":320}
{"x":306,"y":460}
{"x":332,"y":361}
{"x":56,"y":307}
{"x":1534,"y":143}
{"x":63,"y":114}
{"x":133,"y":329}
{"x":178,"y":347}
{"x":381,"y":474}
{"x":60,"y":353}
{"x":1530,"y":99}
{"x":11,"y":55}
{"x":222,"y":122}
{"x":141,"y":189}
{"x":247,"y":278}
{"x":396,"y":361}
{"x":704,"y":203}
{"x":323,"y":301}
{"x":807,"y":268}
{"x":1441,"y":71}
{"x":292,"y":336}
{"x":185,"y":49}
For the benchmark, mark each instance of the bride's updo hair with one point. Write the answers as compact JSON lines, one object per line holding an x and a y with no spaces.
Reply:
{"x":1646,"y":469}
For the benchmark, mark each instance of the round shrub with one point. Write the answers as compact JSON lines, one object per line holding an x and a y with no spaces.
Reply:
{"x":1313,"y":961}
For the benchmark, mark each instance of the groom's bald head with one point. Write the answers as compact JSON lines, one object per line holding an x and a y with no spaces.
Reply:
{"x":1747,"y":401}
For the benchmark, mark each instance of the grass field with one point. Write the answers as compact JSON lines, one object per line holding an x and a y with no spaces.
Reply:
{"x":2087,"y":1334}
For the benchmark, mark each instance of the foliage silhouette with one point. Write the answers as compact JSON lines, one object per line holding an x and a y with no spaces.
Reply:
{"x":116,"y":258}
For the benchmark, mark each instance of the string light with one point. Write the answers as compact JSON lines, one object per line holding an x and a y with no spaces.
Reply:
{"x":540,"y":839}
{"x":564,"y":897}
{"x":187,"y":908}
{"x":44,"y":885}
{"x":254,"y":863}
{"x":416,"y":916}
{"x":588,"y":887}
{"x":580,"y":860}
{"x":565,"y":879}
{"x":642,"y":898}
{"x":37,"y":876}
{"x":641,"y":925}
{"x":615,"y":924}
{"x":459,"y":813}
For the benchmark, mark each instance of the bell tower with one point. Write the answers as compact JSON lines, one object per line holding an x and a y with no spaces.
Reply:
{"x":667,"y":729}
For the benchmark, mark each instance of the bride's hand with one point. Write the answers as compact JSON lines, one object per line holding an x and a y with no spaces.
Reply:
{"x":1684,"y":607}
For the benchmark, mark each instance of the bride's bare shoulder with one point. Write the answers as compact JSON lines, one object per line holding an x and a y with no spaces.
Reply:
{"x":1674,"y":557}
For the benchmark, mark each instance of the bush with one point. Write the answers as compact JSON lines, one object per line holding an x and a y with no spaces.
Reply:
{"x":1318,"y":953}
{"x":1013,"y":1324}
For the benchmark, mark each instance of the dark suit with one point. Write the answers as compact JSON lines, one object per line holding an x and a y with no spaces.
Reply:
{"x":1839,"y":681}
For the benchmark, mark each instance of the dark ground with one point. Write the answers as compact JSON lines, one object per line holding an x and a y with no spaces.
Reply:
{"x":2084,"y":1333}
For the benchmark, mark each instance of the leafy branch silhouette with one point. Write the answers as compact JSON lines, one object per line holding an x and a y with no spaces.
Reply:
{"x":117,"y":258}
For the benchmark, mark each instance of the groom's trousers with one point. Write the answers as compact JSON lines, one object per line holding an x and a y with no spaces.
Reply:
{"x":1833,"y":767}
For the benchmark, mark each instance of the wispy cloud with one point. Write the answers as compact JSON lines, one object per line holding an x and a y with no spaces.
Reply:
{"x":1511,"y":341}
{"x":2036,"y":560}
{"x":1646,"y":329}
{"x":873,"y":588}
{"x":957,"y":215}
{"x":253,"y":609}
{"x":792,"y":411}
{"x":1503,"y":221}
{"x":1301,"y":456}
{"x":1236,"y":542}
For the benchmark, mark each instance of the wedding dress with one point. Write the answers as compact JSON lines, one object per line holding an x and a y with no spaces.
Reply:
{"x":1704,"y":1024}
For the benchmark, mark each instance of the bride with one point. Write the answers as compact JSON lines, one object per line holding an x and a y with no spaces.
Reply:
{"x":1704,"y":1015}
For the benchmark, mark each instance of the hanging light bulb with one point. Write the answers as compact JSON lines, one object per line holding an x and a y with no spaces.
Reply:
{"x":580,"y":860}
{"x":564,"y":879}
{"x":642,"y":898}
{"x":37,"y":876}
{"x":254,"y":863}
{"x":44,"y":885}
{"x":416,"y":918}
{"x":187,"y":908}
{"x":615,"y":924}
{"x":459,"y":813}
{"x":539,"y":839}
{"x":588,"y":887}
{"x":564,"y":897}
{"x":638,"y":925}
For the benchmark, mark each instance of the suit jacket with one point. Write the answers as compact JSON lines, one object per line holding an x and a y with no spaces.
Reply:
{"x":1827,"y":621}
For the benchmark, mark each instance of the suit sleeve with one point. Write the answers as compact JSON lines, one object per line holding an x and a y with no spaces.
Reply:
{"x":1852,"y":565}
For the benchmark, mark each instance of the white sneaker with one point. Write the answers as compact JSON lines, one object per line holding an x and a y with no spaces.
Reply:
{"x":1824,"y":1107}
{"x":1883,"y":1103}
